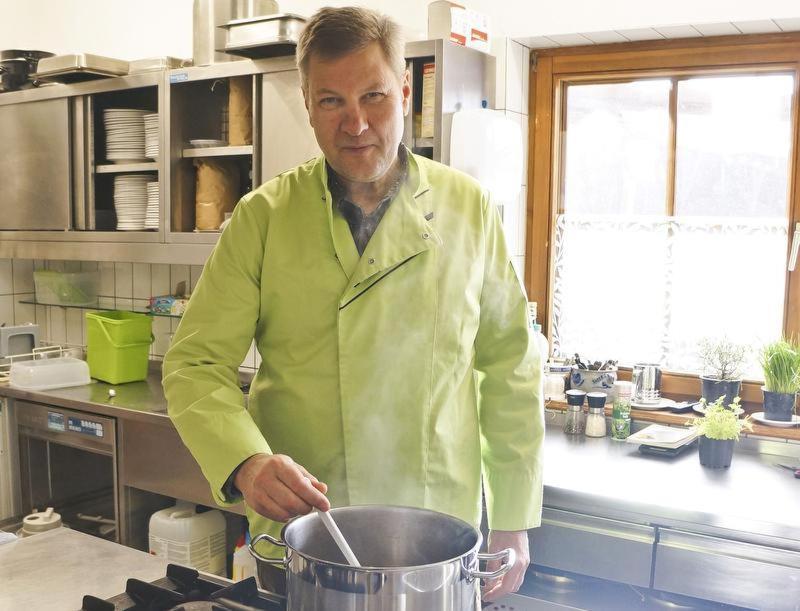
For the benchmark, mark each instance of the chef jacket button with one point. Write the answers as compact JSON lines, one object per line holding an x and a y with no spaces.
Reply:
{"x":425,"y":236}
{"x":371,"y":261}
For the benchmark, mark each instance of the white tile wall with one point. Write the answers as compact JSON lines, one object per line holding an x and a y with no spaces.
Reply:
{"x":7,"y":309}
{"x":23,"y":276}
{"x":160,"y":279}
{"x":123,"y":280}
{"x":6,"y":277}
{"x":142,"y":281}
{"x":122,"y":286}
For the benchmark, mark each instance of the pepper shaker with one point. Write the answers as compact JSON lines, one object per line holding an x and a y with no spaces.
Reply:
{"x":573,"y":424}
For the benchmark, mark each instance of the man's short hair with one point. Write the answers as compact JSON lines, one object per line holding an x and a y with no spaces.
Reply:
{"x":334,"y":32}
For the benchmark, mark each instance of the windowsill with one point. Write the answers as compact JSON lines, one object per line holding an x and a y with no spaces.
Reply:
{"x":759,"y":430}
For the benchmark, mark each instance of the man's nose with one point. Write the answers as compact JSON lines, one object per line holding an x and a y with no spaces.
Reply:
{"x":354,"y":122}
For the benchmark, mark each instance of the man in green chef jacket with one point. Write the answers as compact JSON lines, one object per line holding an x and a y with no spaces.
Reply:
{"x":397,"y":363}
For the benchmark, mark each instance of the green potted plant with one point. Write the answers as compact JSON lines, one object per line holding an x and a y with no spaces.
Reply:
{"x":719,"y":430}
{"x":722,"y":361}
{"x":780,"y":361}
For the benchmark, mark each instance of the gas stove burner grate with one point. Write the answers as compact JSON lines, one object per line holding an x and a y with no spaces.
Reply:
{"x":183,"y":589}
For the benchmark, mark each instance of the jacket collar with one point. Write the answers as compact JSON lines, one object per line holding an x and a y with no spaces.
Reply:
{"x":403,"y":232}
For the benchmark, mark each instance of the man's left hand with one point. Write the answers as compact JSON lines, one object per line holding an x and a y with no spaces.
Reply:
{"x":511,"y":581}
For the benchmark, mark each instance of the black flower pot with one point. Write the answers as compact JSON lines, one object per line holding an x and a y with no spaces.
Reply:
{"x":716,"y":453}
{"x":778,"y":405}
{"x":713,"y":389}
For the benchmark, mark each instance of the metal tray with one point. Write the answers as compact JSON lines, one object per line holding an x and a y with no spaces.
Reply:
{"x":79,"y":67}
{"x":265,"y":36}
{"x":153,"y":64}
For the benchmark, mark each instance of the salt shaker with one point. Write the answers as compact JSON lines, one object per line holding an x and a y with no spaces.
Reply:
{"x":573,"y":424}
{"x":596,"y":420}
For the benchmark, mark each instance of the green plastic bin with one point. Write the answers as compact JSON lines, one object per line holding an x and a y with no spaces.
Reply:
{"x":117,"y":345}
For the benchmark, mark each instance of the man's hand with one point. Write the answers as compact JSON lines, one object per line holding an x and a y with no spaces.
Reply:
{"x":511,"y":581}
{"x":278,"y":488}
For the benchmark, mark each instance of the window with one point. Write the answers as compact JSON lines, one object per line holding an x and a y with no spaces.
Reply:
{"x":666,"y":200}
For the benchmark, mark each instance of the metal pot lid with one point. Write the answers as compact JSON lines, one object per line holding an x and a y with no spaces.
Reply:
{"x":24,"y":54}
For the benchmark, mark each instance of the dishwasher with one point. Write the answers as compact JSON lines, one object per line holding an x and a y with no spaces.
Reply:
{"x":67,"y":460}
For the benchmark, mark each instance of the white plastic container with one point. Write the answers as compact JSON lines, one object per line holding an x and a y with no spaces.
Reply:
{"x":180,"y":534}
{"x":45,"y":374}
{"x":244,"y":565}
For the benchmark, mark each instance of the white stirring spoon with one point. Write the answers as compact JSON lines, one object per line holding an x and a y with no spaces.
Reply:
{"x":327,"y":520}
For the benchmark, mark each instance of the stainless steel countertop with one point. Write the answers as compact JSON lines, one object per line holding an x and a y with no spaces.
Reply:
{"x":133,"y":401}
{"x":752,"y":500}
{"x":757,"y":500}
{"x":55,"y":569}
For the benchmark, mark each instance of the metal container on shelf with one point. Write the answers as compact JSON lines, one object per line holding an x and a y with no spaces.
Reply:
{"x":79,"y":67}
{"x":210,"y":15}
{"x":264,"y":36}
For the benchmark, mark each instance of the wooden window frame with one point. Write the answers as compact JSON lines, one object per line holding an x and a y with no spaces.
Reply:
{"x":551,"y":69}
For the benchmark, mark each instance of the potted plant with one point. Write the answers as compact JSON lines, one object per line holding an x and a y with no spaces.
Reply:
{"x":722,"y":361}
{"x":719,"y":430}
{"x":780,"y":361}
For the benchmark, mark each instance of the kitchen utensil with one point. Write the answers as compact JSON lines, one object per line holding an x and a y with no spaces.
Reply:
{"x":264,"y":36}
{"x":337,"y":535}
{"x":412,"y":559}
{"x":646,"y":380}
{"x":79,"y":67}
{"x":16,"y":67}
{"x":795,"y":470}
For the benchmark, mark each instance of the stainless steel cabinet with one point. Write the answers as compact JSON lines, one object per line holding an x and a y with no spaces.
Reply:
{"x":599,"y":547}
{"x":35,"y":165}
{"x":727,"y":571}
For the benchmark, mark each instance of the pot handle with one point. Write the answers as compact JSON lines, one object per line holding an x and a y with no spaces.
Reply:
{"x":508,"y":554}
{"x":271,"y":539}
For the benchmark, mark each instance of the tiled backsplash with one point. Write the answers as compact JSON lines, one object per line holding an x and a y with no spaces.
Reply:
{"x":124,"y":286}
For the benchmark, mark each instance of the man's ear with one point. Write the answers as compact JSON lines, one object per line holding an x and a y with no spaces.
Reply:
{"x":405,"y":87}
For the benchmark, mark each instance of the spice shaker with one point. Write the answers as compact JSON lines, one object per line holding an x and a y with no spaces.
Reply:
{"x":596,"y":420}
{"x":621,"y":414}
{"x":573,"y":424}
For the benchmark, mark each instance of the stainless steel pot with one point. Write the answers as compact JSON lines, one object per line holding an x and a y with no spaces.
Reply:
{"x":16,"y":66}
{"x":412,"y":560}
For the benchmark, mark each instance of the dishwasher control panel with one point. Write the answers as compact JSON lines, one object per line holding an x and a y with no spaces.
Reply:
{"x":85,"y":426}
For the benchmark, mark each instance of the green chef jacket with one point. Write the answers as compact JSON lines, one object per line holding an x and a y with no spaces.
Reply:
{"x":398,"y":377}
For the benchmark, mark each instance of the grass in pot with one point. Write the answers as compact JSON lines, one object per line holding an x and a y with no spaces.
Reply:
{"x":722,"y":361}
{"x":780,"y":361}
{"x":719,"y":430}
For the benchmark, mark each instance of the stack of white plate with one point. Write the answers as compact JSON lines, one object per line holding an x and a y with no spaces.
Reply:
{"x":151,"y":213}
{"x":124,"y":134}
{"x":130,"y":201}
{"x":151,"y":136}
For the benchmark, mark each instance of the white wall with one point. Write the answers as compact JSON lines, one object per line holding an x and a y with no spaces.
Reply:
{"x":146,"y":28}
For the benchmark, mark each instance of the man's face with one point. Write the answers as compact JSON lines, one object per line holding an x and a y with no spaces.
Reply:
{"x":356,"y":105}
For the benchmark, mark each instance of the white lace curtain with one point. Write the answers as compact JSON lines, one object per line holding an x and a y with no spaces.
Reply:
{"x":649,"y":288}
